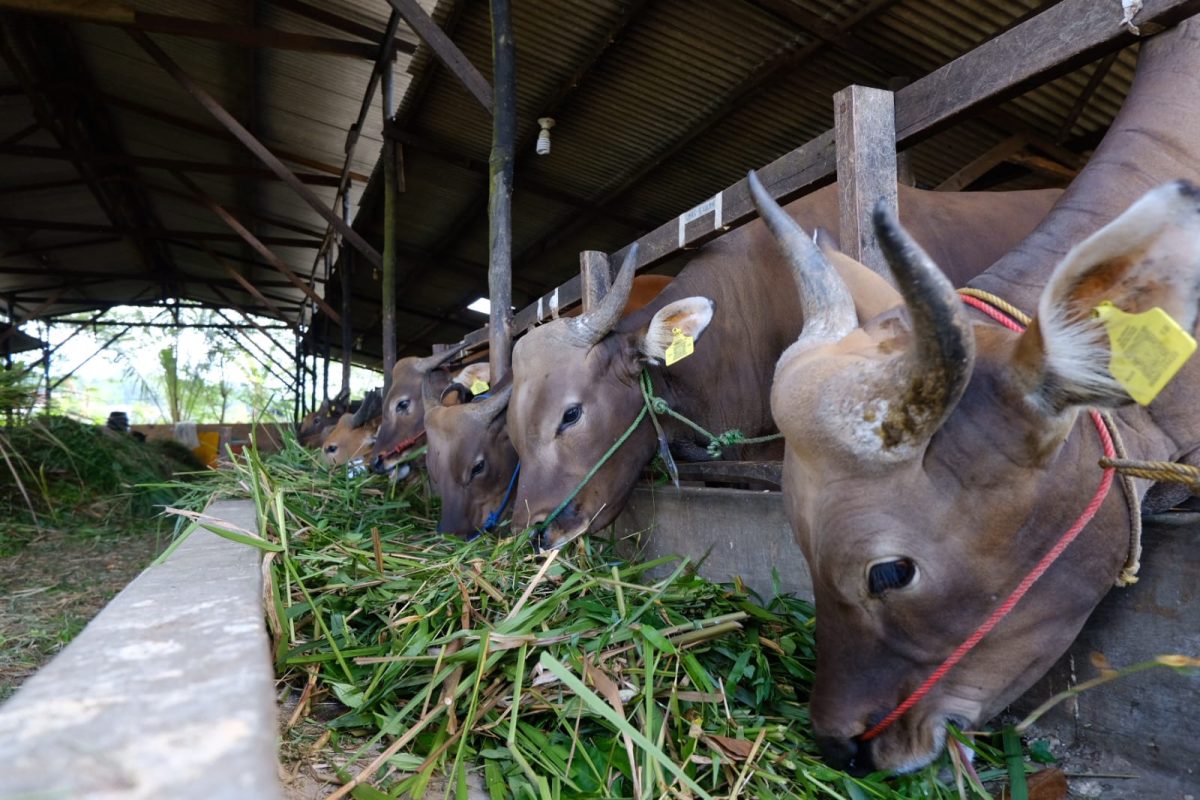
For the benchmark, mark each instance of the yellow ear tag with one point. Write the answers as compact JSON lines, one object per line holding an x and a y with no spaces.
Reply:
{"x":680,"y":348}
{"x":1147,"y":349}
{"x":479,"y":386}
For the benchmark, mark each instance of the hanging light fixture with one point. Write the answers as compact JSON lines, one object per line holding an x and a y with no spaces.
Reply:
{"x":543,"y":140}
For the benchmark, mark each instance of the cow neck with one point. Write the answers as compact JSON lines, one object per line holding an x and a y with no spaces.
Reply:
{"x":1153,"y":140}
{"x":1043,"y":564}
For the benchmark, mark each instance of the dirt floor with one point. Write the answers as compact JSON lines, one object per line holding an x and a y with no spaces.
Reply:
{"x":53,"y":582}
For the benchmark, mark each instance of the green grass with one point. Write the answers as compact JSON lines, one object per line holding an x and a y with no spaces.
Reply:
{"x":570,"y":675}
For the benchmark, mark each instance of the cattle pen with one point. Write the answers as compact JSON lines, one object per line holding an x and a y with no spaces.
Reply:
{"x":344,"y":184}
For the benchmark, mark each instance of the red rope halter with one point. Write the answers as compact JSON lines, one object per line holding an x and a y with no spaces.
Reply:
{"x":1024,"y":586}
{"x":405,"y":444}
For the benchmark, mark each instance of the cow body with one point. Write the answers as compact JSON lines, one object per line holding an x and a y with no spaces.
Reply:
{"x":725,"y":384}
{"x":933,"y":456}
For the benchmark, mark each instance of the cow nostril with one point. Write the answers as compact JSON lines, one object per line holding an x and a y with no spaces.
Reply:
{"x":850,"y":755}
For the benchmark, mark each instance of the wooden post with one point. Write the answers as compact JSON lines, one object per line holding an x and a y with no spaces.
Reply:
{"x":46,"y":356}
{"x":347,"y":329}
{"x":326,"y":349}
{"x":297,"y":382}
{"x":596,"y":275}
{"x":865,"y":131}
{"x":504,"y":131}
{"x":388,"y":281}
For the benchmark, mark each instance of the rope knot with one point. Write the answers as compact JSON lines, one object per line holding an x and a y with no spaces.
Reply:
{"x":659,"y":405}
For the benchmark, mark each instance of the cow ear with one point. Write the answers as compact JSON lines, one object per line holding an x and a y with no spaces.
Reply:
{"x":1146,"y":258}
{"x":689,"y":316}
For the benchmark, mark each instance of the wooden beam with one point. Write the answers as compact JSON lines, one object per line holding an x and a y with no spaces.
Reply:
{"x":865,"y":130}
{"x":342,"y":24}
{"x":43,"y":186}
{"x":109,"y":13}
{"x":1044,"y":47}
{"x":392,"y":177}
{"x":21,"y":223}
{"x":182,"y":165}
{"x":1085,"y":96}
{"x":1044,"y":165}
{"x":35,"y":250}
{"x":256,"y":243}
{"x":246,"y":138}
{"x":212,"y":132}
{"x":32,"y":315}
{"x":446,"y":51}
{"x":252,"y":289}
{"x":982,"y":164}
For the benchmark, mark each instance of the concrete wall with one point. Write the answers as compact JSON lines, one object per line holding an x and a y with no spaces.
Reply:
{"x":168,"y":692}
{"x":1141,"y":726}
{"x":268,"y":436}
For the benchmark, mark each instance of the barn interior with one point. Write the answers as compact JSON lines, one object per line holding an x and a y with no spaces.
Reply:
{"x":131,"y":173}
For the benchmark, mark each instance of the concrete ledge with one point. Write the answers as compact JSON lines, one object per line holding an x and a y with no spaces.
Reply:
{"x":168,"y":692}
{"x":737,"y":533}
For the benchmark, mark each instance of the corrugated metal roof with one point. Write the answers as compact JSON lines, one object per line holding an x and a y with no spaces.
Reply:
{"x":658,"y":104}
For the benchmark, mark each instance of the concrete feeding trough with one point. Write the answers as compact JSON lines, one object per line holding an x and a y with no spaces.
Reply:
{"x":1125,"y":739}
{"x":168,"y":692}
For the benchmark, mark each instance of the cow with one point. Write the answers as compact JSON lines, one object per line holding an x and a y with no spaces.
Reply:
{"x":576,"y":381}
{"x":313,"y":429}
{"x":471,"y":461}
{"x":403,"y":422}
{"x":934,"y":457}
{"x":354,"y":434}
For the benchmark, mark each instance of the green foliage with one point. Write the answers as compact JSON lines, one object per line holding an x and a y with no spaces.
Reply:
{"x":573,"y":674}
{"x":72,"y":474}
{"x":17,"y":391}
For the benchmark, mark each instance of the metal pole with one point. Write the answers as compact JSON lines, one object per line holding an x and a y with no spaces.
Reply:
{"x":46,"y":364}
{"x":388,"y":282}
{"x":347,"y":329}
{"x":504,"y":129}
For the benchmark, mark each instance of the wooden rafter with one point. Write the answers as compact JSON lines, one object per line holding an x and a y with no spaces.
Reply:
{"x":337,"y":22}
{"x":446,"y":50}
{"x":156,"y":234}
{"x":183,"y":165}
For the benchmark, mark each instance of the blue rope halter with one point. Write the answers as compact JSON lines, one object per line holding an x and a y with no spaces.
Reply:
{"x":493,"y":519}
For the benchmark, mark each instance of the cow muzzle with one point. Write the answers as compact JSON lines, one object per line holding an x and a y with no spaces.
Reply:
{"x":849,"y":755}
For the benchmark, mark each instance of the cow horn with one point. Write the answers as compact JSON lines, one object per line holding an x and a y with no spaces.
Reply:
{"x":430,"y":363}
{"x":825,"y":301}
{"x":430,"y":398}
{"x":597,"y":322}
{"x":371,"y":408}
{"x":490,"y":407}
{"x":939,"y":362}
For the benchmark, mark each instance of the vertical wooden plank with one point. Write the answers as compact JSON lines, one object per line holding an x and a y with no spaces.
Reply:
{"x":347,"y":322}
{"x":596,"y":274}
{"x":905,"y":174}
{"x":504,"y":132}
{"x":865,"y":130}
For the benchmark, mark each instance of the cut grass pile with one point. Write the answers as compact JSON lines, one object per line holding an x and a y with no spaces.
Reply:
{"x":75,"y":527}
{"x":568,"y":674}
{"x":60,"y":473}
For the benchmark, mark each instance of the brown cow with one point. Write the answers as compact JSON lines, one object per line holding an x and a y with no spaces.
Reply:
{"x":403,"y":424}
{"x":354,"y":434}
{"x":576,"y":389}
{"x":316,"y":425}
{"x":471,"y":461}
{"x":933,"y":457}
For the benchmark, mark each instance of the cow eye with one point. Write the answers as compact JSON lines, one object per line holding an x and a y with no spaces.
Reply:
{"x":570,"y":417}
{"x":892,"y":574}
{"x":478,"y":467}
{"x":331,"y":448}
{"x":402,"y":406}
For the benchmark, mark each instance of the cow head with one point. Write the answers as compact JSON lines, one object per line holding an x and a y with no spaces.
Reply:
{"x":316,"y":425}
{"x":470,"y":459}
{"x":403,"y":412}
{"x":354,"y":434}
{"x":575,"y":392}
{"x":930,"y":463}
